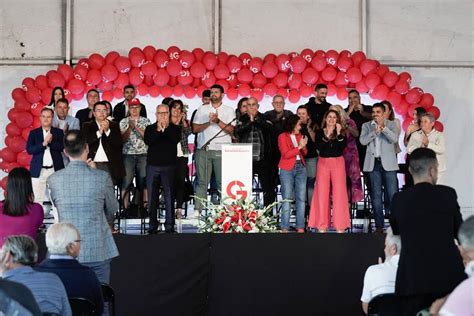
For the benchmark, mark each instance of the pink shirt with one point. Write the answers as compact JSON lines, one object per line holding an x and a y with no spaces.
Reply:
{"x":27,"y":224}
{"x":461,"y":301}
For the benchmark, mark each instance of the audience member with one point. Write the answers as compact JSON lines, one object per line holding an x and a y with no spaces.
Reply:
{"x":105,"y":143}
{"x":84,"y":196}
{"x":64,"y":244}
{"x":45,"y":144}
{"x":380,"y":135}
{"x":292,"y":145}
{"x":87,"y":114}
{"x":351,"y":155}
{"x":427,"y":218}
{"x":330,"y":141}
{"x":21,"y":300}
{"x":428,"y":137}
{"x":62,"y":119}
{"x":254,"y":129}
{"x":134,"y":154}
{"x":56,"y":94}
{"x":162,"y":139}
{"x":210,"y":120}
{"x":19,"y":215}
{"x":17,"y":256}
{"x":178,"y":118}
{"x":122,"y":110}
{"x":317,"y":105}
{"x":380,"y":278}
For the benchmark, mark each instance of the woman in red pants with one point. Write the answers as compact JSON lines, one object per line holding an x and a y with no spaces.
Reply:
{"x":330,"y":175}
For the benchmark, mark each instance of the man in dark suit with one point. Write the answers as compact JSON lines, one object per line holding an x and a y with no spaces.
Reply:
{"x":86,"y":115}
{"x":427,"y":218}
{"x":317,"y":105}
{"x":105,"y":143}
{"x":64,"y":244}
{"x":45,"y":143}
{"x":121,"y":110}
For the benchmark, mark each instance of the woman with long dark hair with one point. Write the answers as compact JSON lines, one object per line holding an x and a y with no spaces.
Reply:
{"x":19,"y":215}
{"x":330,"y":176}
{"x":292,"y":145}
{"x":56,"y":94}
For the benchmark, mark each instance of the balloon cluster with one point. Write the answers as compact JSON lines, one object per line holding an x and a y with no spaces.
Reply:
{"x":179,"y":72}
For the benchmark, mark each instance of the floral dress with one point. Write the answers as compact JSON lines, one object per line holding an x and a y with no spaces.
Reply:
{"x":351,"y":157}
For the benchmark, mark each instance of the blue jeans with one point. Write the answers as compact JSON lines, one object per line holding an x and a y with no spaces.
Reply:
{"x":293,"y":186}
{"x":382,"y":181}
{"x":135,"y":165}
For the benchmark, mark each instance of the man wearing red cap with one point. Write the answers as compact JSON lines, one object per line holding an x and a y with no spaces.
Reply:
{"x":122,"y":110}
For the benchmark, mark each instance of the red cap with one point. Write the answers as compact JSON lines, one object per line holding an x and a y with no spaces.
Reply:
{"x":134,"y":101}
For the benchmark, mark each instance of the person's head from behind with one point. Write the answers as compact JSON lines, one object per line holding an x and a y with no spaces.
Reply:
{"x":393,"y":244}
{"x":63,"y":239}
{"x":292,"y":124}
{"x":320,"y":92}
{"x":19,"y":192}
{"x":18,"y":251}
{"x":242,"y":106}
{"x":206,"y":97}
{"x":167,"y":100}
{"x":61,"y":108}
{"x":278,"y":103}
{"x":466,"y":238}
{"x":75,"y":145}
{"x":129,"y":92}
{"x":423,"y":165}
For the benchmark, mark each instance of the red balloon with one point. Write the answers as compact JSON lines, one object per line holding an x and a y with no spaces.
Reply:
{"x":329,"y":74}
{"x":108,"y":96}
{"x":105,"y":86}
{"x":319,"y":63}
{"x":295,"y":81}
{"x":13,"y":130}
{"x":12,"y":165}
{"x":406,"y":123}
{"x":197,"y":83}
{"x":244,"y":90}
{"x":136,"y":56}
{"x":310,"y":76}
{"x":367,"y":66}
{"x":402,"y":108}
{"x":137,"y":76}
{"x":8,"y":155}
{"x":234,"y":64}
{"x":224,"y":84}
{"x":402,"y":86}
{"x":270,"y":89}
{"x":198,"y":53}
{"x":331,"y":89}
{"x":24,"y":119}
{"x":166,"y":91}
{"x":122,"y":80}
{"x":414,"y":95}
{"x":154,"y":91}
{"x":25,"y":132}
{"x":433,"y":110}
{"x":255,"y":64}
{"x":297,"y":65}
{"x":80,"y":72}
{"x":23,"y":105}
{"x":341,"y":79}
{"x":186,"y":59}
{"x":380,"y":92}
{"x":161,"y":58}
{"x":142,"y":89}
{"x":294,"y":96}
{"x":46,"y":95}
{"x":210,"y":61}
{"x":232,"y":80}
{"x":361,"y":86}
{"x":281,"y":80}
{"x":13,"y":114}
{"x":36,"y":108}
{"x":354,"y":75}
{"x":41,"y":82}
{"x":178,"y":91}
{"x":8,"y":140}
{"x":259,"y":81}
{"x":283,"y":62}
{"x":33,"y":94}
{"x":405,"y":76}
{"x":221,"y":71}
{"x":372,"y":80}
{"x":438,"y":126}
{"x":307,"y":54}
{"x":161,"y":78}
{"x":269,"y":58}
{"x":382,"y":70}
{"x":189,"y":92}
{"x":149,"y":68}
{"x":198,"y":70}
{"x":208,"y":79}
{"x":23,"y":158}
{"x":148,"y":80}
{"x":269,"y":70}
{"x":109,"y":73}
{"x":332,"y":57}
{"x":75,"y":86}
{"x":394,"y":98}
{"x":344,"y":53}
{"x":257,"y":94}
{"x":283,"y":92}
{"x":185,"y":78}
{"x":344,"y":63}
{"x":306,"y":91}
{"x":173,"y":52}
{"x":245,"y":75}
{"x":66,"y":71}
{"x":18,"y":144}
{"x":94,"y":77}
{"x":96,"y":61}
{"x":427,"y":100}
{"x":117,"y":93}
{"x":28,"y":82}
{"x":222,"y":57}
{"x":111,"y":57}
{"x":84,"y":62}
{"x":411,"y":109}
{"x":390,"y":78}
{"x":341,"y":93}
{"x":56,"y":80}
{"x":358,"y":57}
{"x":245,"y":58}
{"x":232,"y":94}
{"x":149,"y":52}
{"x":18,"y":93}
{"x":173,"y":68}
{"x":3,"y":182}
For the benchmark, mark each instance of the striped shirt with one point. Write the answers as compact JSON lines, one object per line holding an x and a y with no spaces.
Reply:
{"x":47,"y":289}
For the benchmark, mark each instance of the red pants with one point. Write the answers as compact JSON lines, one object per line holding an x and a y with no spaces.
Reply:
{"x":331,"y":172}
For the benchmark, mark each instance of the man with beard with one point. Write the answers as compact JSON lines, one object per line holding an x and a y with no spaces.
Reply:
{"x":317,"y":105}
{"x":121,"y":110}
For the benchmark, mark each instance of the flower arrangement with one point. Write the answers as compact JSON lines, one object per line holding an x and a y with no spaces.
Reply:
{"x":237,"y":216}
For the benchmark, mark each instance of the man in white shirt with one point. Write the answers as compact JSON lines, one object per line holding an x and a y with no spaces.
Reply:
{"x":380,"y":278}
{"x":210,"y":119}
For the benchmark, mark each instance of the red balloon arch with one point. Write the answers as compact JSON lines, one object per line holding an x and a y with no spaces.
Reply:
{"x":179,"y":72}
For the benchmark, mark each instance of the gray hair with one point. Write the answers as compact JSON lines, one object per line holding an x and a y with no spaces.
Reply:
{"x":22,"y":248}
{"x":59,"y":236}
{"x":430,"y":116}
{"x":392,"y":239}
{"x":466,"y":234}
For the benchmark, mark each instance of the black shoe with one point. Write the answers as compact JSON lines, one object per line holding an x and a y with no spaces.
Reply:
{"x":170,"y":231}
{"x":152,"y":231}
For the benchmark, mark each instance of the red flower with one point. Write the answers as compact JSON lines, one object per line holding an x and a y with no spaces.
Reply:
{"x":247,"y":227}
{"x":226,"y":227}
{"x":219,"y":220}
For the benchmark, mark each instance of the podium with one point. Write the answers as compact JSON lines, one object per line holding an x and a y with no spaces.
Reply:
{"x":237,"y":172}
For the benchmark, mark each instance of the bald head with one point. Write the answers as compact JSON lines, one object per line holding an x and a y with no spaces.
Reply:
{"x":252,"y":106}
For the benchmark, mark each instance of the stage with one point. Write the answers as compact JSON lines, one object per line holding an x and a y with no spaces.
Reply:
{"x":253,"y":274}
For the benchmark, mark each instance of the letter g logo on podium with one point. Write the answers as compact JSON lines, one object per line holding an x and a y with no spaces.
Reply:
{"x":235,"y":190}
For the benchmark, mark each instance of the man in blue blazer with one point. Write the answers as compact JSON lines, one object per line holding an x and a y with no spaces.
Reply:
{"x":380,"y":136}
{"x":45,"y":143}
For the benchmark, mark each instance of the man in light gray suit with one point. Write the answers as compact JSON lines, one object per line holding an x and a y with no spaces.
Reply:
{"x":380,"y":135}
{"x":84,"y":196}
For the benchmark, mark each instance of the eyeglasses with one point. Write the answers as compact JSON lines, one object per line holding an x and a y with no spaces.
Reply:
{"x":78,"y":240}
{"x":134,"y":107}
{"x":162,"y":113}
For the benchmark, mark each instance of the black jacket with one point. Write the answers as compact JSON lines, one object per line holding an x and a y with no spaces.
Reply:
{"x":162,"y":146}
{"x":264,"y":128}
{"x":317,"y":111}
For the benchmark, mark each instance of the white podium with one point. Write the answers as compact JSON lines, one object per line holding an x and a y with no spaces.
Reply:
{"x":237,"y":171}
